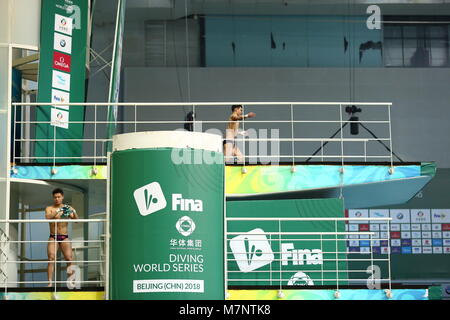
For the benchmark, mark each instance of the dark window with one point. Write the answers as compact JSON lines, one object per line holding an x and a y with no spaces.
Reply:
{"x":416,"y":43}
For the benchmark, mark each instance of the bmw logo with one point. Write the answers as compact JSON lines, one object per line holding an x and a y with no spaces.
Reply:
{"x":358,"y":214}
{"x":62,"y":43}
{"x":400,"y":216}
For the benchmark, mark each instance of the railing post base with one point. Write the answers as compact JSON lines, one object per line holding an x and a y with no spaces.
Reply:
{"x":388,"y":293}
{"x":280,"y":294}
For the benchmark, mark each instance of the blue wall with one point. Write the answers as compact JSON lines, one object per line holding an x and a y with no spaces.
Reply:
{"x":298,"y":41}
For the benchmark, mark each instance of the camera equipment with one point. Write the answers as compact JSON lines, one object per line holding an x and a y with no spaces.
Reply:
{"x":352,"y":109}
{"x":354,"y":128}
{"x":188,"y":125}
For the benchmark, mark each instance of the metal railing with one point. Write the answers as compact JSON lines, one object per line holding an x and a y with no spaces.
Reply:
{"x":3,"y":256}
{"x":297,"y":137}
{"x":276,"y":256}
{"x":73,"y":278}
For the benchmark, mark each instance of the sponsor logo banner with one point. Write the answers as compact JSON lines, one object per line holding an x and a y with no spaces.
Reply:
{"x":60,"y":118}
{"x":63,"y":24}
{"x":363,"y":213}
{"x":61,"y":61}
{"x":62,"y":43}
{"x":59,"y":96}
{"x":440,"y":216}
{"x":420,"y":216}
{"x":61,"y":80}
{"x":400,"y":215}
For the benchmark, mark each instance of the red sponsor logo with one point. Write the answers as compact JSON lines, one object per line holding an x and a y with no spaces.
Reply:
{"x":446,"y":227}
{"x":61,"y":61}
{"x":363,"y":227}
{"x":395,"y":234}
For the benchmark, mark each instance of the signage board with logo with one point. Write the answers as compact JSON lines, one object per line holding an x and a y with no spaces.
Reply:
{"x":167,"y":227}
{"x":61,"y":77}
{"x":418,"y":237}
{"x":258,"y":255}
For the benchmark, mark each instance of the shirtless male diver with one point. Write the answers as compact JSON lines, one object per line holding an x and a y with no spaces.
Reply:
{"x":231,"y":149}
{"x":58,"y":232}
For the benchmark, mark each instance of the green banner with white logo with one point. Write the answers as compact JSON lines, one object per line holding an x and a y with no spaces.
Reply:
{"x":287,"y":252}
{"x":166,"y":226}
{"x":62,"y":75}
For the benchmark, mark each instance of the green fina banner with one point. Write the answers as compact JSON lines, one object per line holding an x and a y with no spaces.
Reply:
{"x":166,"y":227}
{"x":114,"y":84}
{"x":62,"y":74}
{"x":258,"y":256}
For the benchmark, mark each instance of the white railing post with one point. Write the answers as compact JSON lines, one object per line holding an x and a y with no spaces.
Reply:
{"x":135,"y":118}
{"x":95,"y":136}
{"x":389,"y":295}
{"x":292,"y":137}
{"x":391,"y":171}
{"x":337,"y":257}
{"x":280,"y":292}
{"x":342,"y":136}
{"x":54,"y":150}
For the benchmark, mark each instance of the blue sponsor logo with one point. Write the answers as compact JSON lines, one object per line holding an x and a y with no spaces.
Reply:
{"x":396,"y":250}
{"x":384,"y":243}
{"x":406,"y":250}
{"x":61,"y":79}
{"x":406,"y":243}
{"x":353,"y":249}
{"x":377,"y":214}
{"x":437,"y":242}
{"x":376,"y":250}
{"x":364,"y":243}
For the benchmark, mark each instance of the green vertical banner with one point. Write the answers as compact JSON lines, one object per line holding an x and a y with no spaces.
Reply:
{"x":62,"y":73}
{"x":114,"y":83}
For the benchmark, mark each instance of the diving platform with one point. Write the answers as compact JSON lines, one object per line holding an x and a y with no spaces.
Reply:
{"x":362,"y":185}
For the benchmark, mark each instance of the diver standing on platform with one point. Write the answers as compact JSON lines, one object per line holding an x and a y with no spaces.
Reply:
{"x":230,"y":148}
{"x":58,"y":232}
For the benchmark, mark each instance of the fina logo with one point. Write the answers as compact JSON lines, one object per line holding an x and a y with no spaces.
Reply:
{"x":252,"y":250}
{"x":150,"y":199}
